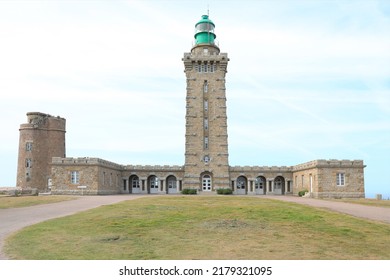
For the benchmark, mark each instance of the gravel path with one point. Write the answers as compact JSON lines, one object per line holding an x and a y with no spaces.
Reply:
{"x":376,"y":213}
{"x":14,"y":219}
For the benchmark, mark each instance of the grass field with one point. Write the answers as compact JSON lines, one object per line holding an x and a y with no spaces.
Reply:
{"x":181,"y":227}
{"x":25,"y":201}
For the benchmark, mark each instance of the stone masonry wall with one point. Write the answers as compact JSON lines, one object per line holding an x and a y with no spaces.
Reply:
{"x":324,"y":174}
{"x":144,"y":173}
{"x":206,"y":117}
{"x":99,"y":176}
{"x":46,"y":136}
{"x":269,"y":173}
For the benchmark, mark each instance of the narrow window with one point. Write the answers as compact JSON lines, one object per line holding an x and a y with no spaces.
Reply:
{"x":28,"y":163}
{"x":340,"y":178}
{"x":205,"y":87}
{"x":206,"y":124}
{"x":206,"y":105}
{"x":29,"y":146}
{"x":75,"y":177}
{"x":206,"y":142}
{"x":206,"y":159}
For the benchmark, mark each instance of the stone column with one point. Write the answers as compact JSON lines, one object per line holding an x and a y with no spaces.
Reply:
{"x":163,"y":188}
{"x":286,"y":182}
{"x":144,"y":187}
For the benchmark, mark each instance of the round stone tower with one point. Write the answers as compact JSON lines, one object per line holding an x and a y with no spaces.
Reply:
{"x":40,"y":139}
{"x":206,"y":148}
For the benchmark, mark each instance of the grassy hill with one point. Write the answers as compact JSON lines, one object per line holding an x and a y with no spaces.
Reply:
{"x":203,"y":227}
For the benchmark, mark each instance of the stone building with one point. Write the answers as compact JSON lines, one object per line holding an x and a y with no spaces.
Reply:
{"x":40,"y":139}
{"x":42,"y":162}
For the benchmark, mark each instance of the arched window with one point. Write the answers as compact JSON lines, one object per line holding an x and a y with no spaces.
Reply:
{"x":172,"y":182}
{"x":135,"y":182}
{"x":260,"y":186}
{"x":259,"y":183}
{"x":241,"y":182}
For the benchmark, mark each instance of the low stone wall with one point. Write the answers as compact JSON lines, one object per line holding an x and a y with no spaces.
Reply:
{"x":12,"y":191}
{"x":339,"y":195}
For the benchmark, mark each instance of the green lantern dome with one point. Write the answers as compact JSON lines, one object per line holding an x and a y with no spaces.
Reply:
{"x":204,"y":31}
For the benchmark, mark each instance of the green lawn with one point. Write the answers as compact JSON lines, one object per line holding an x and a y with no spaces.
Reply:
{"x":198,"y":227}
{"x":25,"y":201}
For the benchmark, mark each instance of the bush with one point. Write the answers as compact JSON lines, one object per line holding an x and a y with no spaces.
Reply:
{"x":189,"y":191}
{"x":224,"y":191}
{"x":17,"y":193}
{"x":302,"y":193}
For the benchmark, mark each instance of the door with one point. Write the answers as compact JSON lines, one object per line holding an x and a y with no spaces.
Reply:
{"x":260,"y":185}
{"x":153,"y":184}
{"x":135,"y":187}
{"x":241,"y":185}
{"x":206,"y":183}
{"x":172,"y":184}
{"x":279,"y":185}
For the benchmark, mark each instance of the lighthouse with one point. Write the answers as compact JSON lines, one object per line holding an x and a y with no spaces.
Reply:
{"x":206,"y":139}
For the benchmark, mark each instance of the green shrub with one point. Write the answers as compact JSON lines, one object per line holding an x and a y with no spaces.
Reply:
{"x":224,"y":191}
{"x":302,"y":193}
{"x":189,"y":191}
{"x":17,"y":193}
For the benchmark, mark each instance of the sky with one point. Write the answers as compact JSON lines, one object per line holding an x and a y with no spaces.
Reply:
{"x":306,"y":79}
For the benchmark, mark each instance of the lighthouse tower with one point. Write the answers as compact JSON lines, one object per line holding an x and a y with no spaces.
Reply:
{"x":206,"y":147}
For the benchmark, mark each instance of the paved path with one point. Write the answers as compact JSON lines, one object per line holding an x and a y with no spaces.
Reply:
{"x":14,"y":219}
{"x":361,"y":211}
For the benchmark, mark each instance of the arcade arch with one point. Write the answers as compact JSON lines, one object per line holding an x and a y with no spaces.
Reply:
{"x":172,"y":184}
{"x":260,"y":185}
{"x":241,"y":185}
{"x":134,"y":184}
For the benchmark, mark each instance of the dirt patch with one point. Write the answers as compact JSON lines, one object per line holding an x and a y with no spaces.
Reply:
{"x":232,"y":224}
